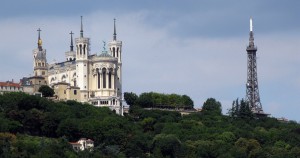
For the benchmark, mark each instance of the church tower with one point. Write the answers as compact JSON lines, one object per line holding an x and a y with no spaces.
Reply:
{"x":39,"y":59}
{"x":82,"y":65}
{"x":115,"y":48}
{"x":71,"y":55}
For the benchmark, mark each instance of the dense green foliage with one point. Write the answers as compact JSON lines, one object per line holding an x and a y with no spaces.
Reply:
{"x":240,"y":110}
{"x":211,"y":105}
{"x":130,"y":98}
{"x":152,"y":100}
{"x":35,"y":127}
{"x":46,"y":91}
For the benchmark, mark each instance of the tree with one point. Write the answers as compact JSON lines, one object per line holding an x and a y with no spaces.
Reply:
{"x":211,"y":105}
{"x":169,"y":145}
{"x":160,"y":100}
{"x":46,"y":91}
{"x":145,"y":100}
{"x":250,"y":147}
{"x":241,"y":110}
{"x":130,"y":98}
{"x":187,"y":101}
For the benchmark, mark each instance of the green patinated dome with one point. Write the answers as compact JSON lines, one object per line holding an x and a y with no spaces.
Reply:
{"x":104,"y":54}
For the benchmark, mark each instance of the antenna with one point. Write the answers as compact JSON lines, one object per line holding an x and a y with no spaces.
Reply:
{"x":251,"y":26}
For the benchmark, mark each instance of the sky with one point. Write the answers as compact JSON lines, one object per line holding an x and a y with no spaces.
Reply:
{"x":192,"y":47}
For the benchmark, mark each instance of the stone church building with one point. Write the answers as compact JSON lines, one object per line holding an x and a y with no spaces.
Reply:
{"x":85,"y":77}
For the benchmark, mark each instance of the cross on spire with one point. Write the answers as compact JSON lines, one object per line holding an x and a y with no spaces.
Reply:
{"x":39,"y":30}
{"x":39,"y":39}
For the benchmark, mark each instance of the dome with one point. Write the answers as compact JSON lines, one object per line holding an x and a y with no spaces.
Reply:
{"x":105,"y":54}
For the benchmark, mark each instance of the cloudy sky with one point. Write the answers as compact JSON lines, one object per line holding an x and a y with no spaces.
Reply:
{"x":192,"y":47}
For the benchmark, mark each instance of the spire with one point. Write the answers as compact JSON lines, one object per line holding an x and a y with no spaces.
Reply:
{"x":71,"y":46}
{"x":81,"y":30}
{"x":251,"y":38}
{"x":115,"y":32}
{"x":39,"y":30}
{"x":39,"y":39}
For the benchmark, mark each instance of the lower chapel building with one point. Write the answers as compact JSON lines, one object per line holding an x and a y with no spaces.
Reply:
{"x":85,"y":77}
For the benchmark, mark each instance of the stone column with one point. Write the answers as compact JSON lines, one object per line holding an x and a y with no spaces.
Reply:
{"x":113,"y":79}
{"x":100,"y":73}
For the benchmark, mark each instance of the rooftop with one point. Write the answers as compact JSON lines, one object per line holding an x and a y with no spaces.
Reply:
{"x":9,"y":84}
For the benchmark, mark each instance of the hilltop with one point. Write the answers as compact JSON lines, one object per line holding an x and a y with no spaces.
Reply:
{"x":31,"y":126}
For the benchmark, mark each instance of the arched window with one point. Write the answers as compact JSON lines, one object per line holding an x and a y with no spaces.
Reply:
{"x":104,"y":77}
{"x":98,"y":74}
{"x":80,"y":49}
{"x":109,"y":79}
{"x":114,"y":51}
{"x":84,"y":47}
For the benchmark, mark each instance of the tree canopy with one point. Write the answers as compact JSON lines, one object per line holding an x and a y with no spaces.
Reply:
{"x":32,"y":126}
{"x":241,"y":110}
{"x":130,"y":98}
{"x":153,"y":99}
{"x":46,"y":91}
{"x":211,"y":105}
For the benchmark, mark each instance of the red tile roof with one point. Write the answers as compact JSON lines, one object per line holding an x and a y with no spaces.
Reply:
{"x":10,"y":84}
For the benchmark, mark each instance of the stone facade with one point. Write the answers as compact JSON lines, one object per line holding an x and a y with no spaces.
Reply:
{"x":63,"y":91}
{"x":10,"y":86}
{"x":83,"y":144}
{"x":95,"y":78}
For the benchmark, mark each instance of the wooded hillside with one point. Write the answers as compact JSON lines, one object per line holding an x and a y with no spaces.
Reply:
{"x":36,"y":127}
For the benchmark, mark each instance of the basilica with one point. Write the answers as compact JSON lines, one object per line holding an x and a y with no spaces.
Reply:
{"x":85,"y":77}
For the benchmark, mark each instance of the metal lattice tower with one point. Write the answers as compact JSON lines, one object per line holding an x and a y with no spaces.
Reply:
{"x":252,"y":92}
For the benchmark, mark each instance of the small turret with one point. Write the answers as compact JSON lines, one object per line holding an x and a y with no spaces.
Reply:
{"x":82,"y":60}
{"x":70,"y":55}
{"x":39,"y":57}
